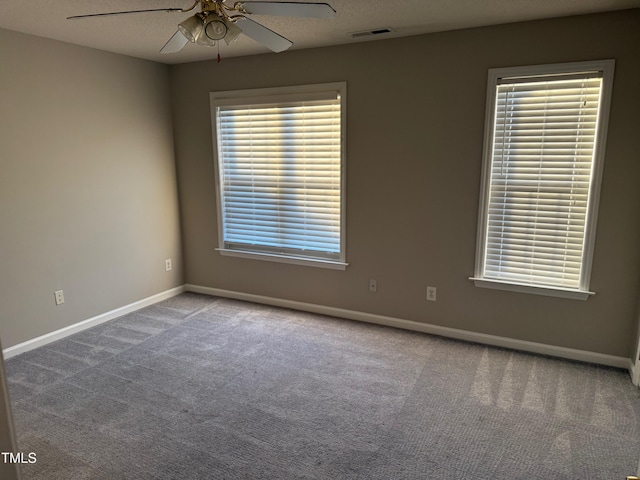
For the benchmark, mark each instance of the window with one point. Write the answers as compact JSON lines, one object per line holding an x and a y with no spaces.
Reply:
{"x":279,"y":157}
{"x":544,"y":146}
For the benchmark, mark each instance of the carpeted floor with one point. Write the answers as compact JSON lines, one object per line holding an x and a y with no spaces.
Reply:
{"x":198,"y":387}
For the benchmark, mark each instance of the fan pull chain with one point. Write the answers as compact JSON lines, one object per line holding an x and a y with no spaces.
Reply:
{"x":219,"y":59}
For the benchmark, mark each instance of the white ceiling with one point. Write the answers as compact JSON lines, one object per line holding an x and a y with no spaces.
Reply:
{"x":143,"y":34}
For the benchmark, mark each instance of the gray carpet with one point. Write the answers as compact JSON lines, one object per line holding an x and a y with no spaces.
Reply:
{"x":198,"y":387}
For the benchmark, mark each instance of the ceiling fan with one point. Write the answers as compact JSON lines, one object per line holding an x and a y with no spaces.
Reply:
{"x":218,"y":21}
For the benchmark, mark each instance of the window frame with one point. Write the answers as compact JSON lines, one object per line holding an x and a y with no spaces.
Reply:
{"x":266,"y":95}
{"x":494,"y":75}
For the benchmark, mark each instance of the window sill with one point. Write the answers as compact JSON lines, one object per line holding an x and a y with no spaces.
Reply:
{"x":535,"y":290}
{"x":270,"y":257}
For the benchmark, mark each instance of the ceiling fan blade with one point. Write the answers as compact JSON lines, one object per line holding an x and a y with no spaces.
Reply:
{"x":175,"y":43}
{"x":75,"y":17}
{"x":290,"y":9}
{"x":261,"y":34}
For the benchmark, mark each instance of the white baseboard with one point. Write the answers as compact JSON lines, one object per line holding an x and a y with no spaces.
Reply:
{"x":533,"y":347}
{"x":541,"y":348}
{"x":91,"y":322}
{"x":634,"y":370}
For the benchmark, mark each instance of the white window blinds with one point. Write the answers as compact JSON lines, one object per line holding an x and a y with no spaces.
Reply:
{"x":537,"y":209}
{"x":280,"y":174}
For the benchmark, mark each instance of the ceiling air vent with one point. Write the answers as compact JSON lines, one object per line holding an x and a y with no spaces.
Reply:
{"x":368,"y":33}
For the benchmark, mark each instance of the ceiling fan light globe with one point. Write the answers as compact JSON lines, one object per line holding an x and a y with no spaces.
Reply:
{"x":215,"y":29}
{"x":233,"y":31}
{"x":205,"y":41}
{"x":191,"y":28}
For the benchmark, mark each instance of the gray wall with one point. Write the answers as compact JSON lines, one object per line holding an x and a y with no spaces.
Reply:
{"x":414,"y":140}
{"x":636,"y":337}
{"x":88,"y":197}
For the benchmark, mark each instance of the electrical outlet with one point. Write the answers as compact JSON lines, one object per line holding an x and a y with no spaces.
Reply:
{"x":59,"y":296}
{"x":167,"y":265}
{"x":431,"y":294}
{"x":373,"y":285}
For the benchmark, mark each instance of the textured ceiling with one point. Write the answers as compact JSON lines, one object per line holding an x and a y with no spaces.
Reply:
{"x":143,"y":35}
